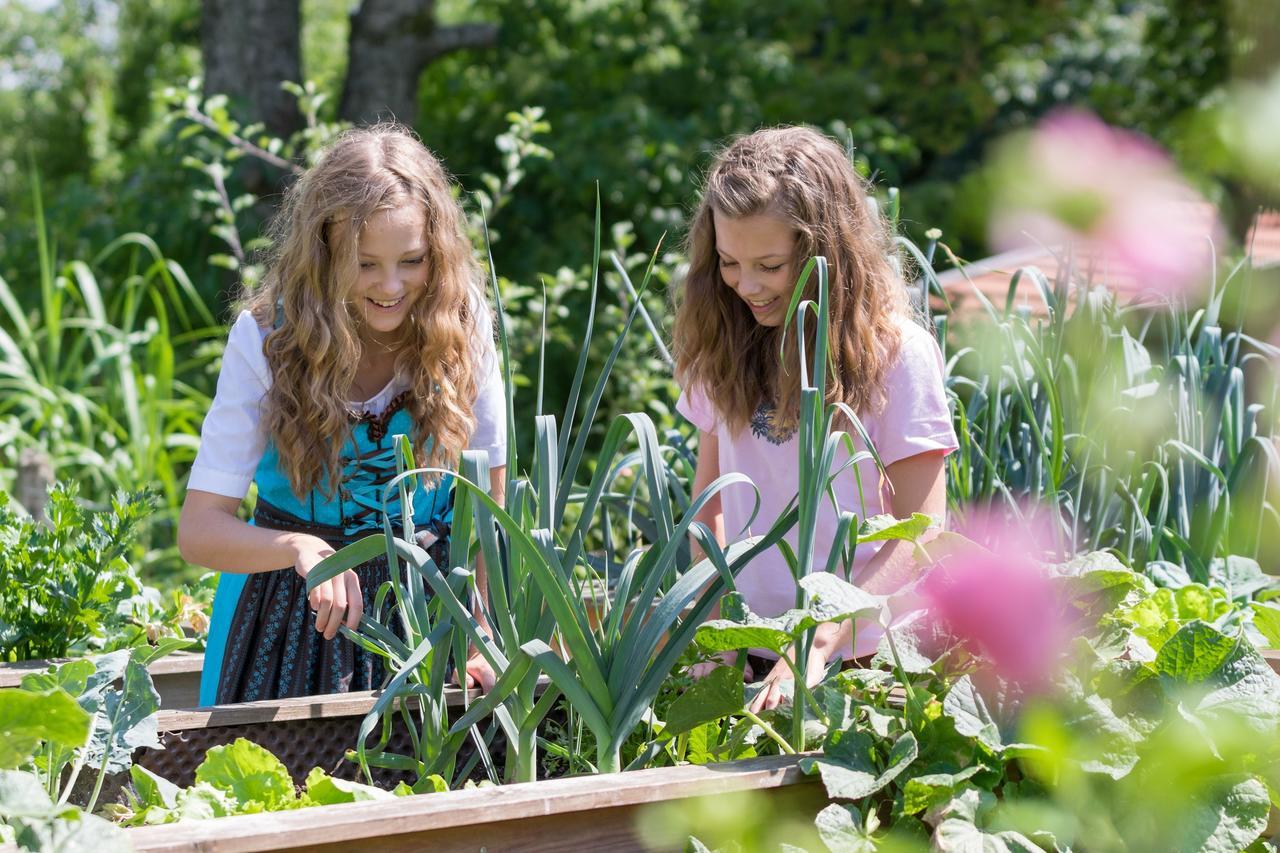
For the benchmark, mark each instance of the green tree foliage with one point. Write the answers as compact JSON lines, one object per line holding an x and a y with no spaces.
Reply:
{"x":639,"y":92}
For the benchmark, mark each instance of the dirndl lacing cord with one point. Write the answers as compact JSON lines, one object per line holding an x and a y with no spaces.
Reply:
{"x":364,"y":481}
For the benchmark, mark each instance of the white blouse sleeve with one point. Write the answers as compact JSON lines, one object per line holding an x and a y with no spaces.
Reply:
{"x":232,"y":439}
{"x":490,"y":409}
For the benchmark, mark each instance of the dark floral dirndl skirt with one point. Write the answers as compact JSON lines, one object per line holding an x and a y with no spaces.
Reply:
{"x":273,"y":649}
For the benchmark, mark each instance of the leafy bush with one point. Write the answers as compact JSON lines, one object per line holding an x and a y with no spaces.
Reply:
{"x":60,"y":585}
{"x":69,"y":587}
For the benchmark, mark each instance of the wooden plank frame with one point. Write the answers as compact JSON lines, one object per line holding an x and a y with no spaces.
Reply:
{"x":176,"y":676}
{"x":576,"y":813}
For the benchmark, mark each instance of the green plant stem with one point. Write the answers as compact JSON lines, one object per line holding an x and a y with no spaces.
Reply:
{"x":770,"y":732}
{"x":102,"y":772}
{"x":525,"y":768}
{"x":902,"y":677}
{"x":802,"y":687}
{"x":71,"y":779}
{"x":608,"y":760}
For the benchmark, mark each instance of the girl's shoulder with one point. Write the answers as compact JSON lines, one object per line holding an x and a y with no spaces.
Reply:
{"x":913,"y":339}
{"x":244,"y":350}
{"x":249,"y":329}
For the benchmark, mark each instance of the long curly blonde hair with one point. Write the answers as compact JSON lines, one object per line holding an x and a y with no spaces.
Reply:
{"x":805,"y":179}
{"x":312,"y":267}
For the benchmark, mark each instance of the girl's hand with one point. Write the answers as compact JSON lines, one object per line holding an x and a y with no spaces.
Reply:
{"x":770,"y":695}
{"x":702,"y":670}
{"x":335,"y":602}
{"x":479,"y":672}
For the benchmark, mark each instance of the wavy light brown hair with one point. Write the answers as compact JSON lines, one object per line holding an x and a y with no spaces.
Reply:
{"x":805,"y":179}
{"x":311,"y":271}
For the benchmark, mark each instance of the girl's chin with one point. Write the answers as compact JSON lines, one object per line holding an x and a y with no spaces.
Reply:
{"x":383,"y":330}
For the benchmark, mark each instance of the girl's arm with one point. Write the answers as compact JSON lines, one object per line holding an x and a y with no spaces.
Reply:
{"x":919,"y":485}
{"x":704,"y":474}
{"x":210,"y":535}
{"x":479,"y":672}
{"x":712,"y":515}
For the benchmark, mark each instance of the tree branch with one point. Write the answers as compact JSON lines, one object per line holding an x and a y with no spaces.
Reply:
{"x":447,"y":39}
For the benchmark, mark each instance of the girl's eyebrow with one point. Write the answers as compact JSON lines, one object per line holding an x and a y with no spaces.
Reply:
{"x":421,"y":250}
{"x":725,"y":254}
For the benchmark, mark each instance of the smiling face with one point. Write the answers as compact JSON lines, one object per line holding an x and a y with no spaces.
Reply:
{"x":756,"y":262}
{"x":392,"y":252}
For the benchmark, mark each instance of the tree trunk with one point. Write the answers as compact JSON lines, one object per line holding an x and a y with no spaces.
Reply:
{"x":392,"y":41}
{"x":249,"y":47}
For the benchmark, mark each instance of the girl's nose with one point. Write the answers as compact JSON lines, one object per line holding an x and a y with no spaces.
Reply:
{"x":749,"y":287}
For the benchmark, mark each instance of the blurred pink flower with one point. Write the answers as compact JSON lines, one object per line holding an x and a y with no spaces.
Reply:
{"x":1111,"y":192}
{"x":1001,"y":604}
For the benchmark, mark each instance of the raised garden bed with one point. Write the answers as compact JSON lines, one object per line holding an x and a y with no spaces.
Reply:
{"x":303,"y":732}
{"x":577,"y":813}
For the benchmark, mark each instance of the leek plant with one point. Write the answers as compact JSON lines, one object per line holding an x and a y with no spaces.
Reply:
{"x":819,"y":447}
{"x":610,"y":671}
{"x":1137,"y":423}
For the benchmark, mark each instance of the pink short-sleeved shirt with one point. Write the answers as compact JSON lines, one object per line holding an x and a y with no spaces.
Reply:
{"x":915,"y":419}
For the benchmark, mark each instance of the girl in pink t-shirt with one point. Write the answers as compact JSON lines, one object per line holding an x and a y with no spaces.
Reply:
{"x":772,"y":200}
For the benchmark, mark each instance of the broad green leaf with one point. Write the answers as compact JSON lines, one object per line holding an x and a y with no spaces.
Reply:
{"x":1241,"y":577}
{"x":974,"y":717}
{"x":28,"y":719}
{"x":717,"y":695}
{"x":203,"y":801}
{"x":880,"y":528}
{"x":248,"y":772}
{"x":959,"y":836}
{"x":1266,"y":618}
{"x":126,"y":721}
{"x":22,"y":795}
{"x":1197,"y":601}
{"x":1220,"y":678}
{"x":719,"y":635}
{"x":835,"y":599}
{"x":325,"y":790}
{"x":969,"y":804}
{"x":1221,"y":818}
{"x":911,"y":637}
{"x":1105,"y":743}
{"x":1098,"y":572}
{"x":153,"y":790}
{"x":1154,"y":618}
{"x":922,"y":793}
{"x":840,"y":828}
{"x":848,"y":764}
{"x":75,"y":832}
{"x":147,"y":655}
{"x":1194,"y":653}
{"x":1090,"y":563}
{"x":1167,"y":575}
{"x":72,"y":677}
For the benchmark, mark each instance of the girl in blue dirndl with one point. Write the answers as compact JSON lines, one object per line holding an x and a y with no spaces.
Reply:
{"x":370,"y":322}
